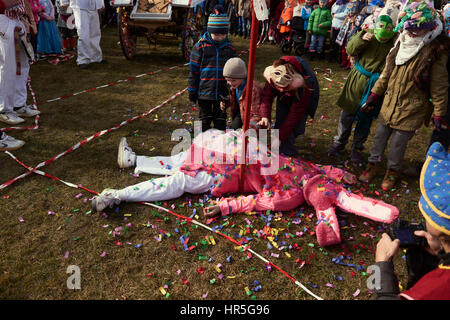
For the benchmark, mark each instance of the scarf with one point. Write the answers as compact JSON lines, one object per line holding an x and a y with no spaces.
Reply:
{"x":215,"y":43}
{"x":409,"y":46}
{"x":365,"y":118}
{"x":239,"y":91}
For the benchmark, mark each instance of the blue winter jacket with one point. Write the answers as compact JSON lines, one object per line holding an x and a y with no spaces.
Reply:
{"x":205,"y":80}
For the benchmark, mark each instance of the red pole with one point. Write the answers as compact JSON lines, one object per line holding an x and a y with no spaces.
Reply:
{"x":248,"y":97}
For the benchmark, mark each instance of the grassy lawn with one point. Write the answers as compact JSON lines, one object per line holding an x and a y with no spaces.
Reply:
{"x":145,"y":253}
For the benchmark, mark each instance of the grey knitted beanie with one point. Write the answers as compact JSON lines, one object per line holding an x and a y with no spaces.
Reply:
{"x":235,"y":68}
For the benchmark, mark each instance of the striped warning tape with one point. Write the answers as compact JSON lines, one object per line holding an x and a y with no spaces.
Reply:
{"x":94,"y":136}
{"x":125,"y":80}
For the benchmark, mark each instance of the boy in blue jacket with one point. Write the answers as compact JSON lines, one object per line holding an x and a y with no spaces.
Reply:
{"x":206,"y":84}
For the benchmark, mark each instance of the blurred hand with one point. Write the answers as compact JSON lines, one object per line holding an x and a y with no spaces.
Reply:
{"x":434,"y":243}
{"x":264,"y":122}
{"x":366,"y":107}
{"x":349,"y":178}
{"x":352,"y":61}
{"x":370,"y":103}
{"x":386,"y":248}
{"x":211,"y":212}
{"x":439,"y":123}
{"x":367,"y":36}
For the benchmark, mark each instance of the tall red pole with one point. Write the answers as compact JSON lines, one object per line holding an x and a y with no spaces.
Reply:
{"x":248,"y":97}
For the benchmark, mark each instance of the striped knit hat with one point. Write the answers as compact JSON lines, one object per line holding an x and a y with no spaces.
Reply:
{"x":218,"y":23}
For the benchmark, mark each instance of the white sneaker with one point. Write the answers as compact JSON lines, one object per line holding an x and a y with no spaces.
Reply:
{"x":8,"y":143}
{"x":107,"y":198}
{"x":10,"y":117}
{"x":27,"y":111}
{"x":125,"y":157}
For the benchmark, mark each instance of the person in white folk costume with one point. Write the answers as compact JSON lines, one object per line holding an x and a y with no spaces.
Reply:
{"x":87,"y":23}
{"x":14,"y":69}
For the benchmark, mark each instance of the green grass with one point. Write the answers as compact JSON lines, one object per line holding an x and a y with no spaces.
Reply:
{"x":32,"y":255}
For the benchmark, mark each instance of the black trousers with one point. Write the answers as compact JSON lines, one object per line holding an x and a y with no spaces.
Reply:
{"x":210,"y":113}
{"x":237,"y":122}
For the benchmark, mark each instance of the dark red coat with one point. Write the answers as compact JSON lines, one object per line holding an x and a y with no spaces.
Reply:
{"x":307,"y":104}
{"x":236,"y":108}
{"x":435,"y":285}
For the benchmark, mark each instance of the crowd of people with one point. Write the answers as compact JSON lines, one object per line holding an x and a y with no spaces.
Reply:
{"x":398,"y":53}
{"x":397,"y":50}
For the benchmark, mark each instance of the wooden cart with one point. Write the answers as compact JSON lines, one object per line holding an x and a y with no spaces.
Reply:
{"x":155,"y":19}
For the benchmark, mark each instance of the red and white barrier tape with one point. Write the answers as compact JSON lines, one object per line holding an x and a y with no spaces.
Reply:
{"x":98,"y":134}
{"x":125,"y":80}
{"x":246,"y":248}
{"x":114,"y":83}
{"x":54,"y":59}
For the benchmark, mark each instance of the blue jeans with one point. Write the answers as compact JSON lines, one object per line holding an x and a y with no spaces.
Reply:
{"x":243,"y":24}
{"x":317,"y":41}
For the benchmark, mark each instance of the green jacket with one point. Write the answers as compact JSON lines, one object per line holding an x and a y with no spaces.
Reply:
{"x":320,"y":16}
{"x":372,"y":56}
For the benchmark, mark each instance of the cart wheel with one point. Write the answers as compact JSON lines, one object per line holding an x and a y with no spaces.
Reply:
{"x":127,"y":37}
{"x":192,"y":31}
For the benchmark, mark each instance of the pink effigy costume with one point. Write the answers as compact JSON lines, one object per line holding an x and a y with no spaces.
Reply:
{"x":212,"y":164}
{"x":278,"y":186}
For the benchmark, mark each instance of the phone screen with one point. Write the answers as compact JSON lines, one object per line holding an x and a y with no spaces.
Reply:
{"x":405,"y":235}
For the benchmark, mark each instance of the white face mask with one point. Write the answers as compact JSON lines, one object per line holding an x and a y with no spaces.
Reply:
{"x":284,"y":78}
{"x":281,"y":76}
